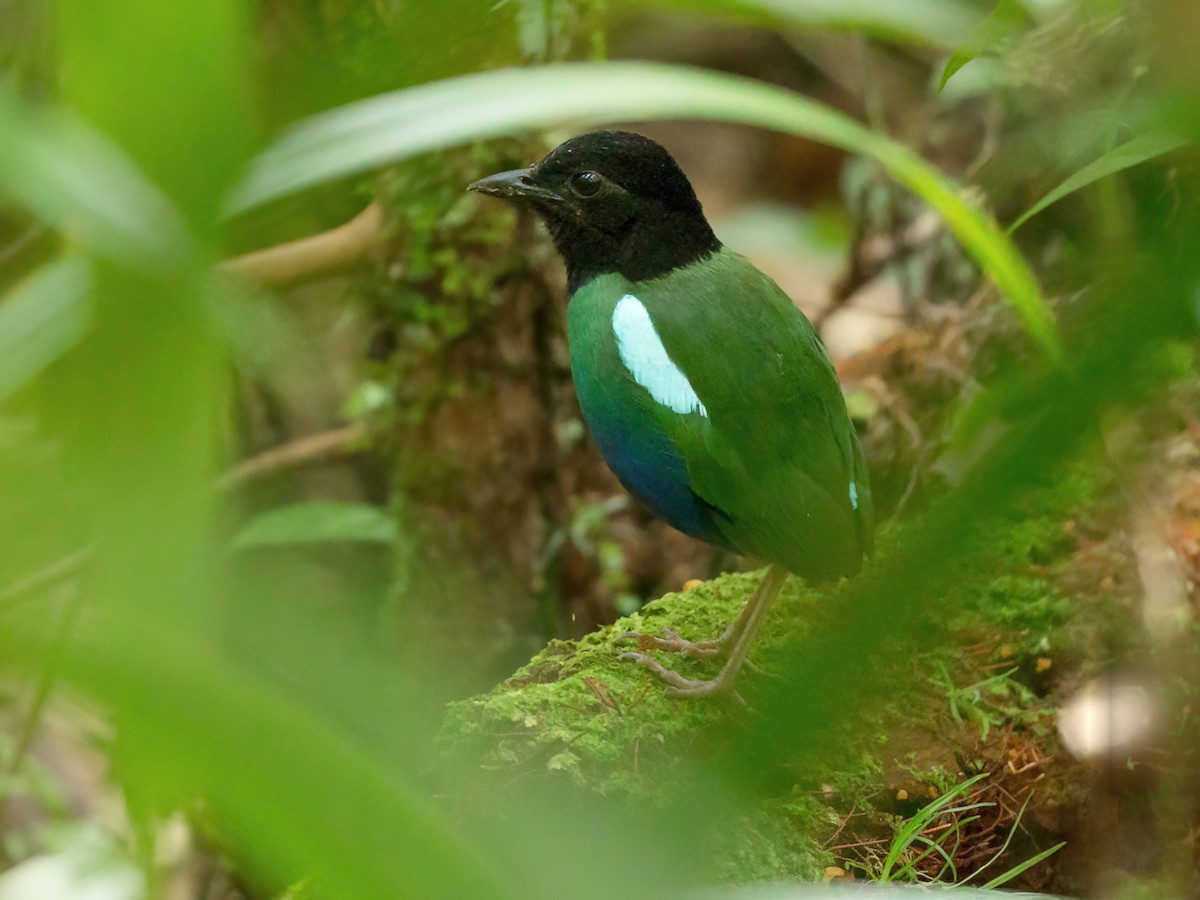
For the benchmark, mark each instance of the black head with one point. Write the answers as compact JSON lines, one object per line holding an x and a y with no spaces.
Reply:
{"x":613,"y":201}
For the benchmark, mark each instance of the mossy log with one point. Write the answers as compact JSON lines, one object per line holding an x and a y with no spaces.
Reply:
{"x":579,"y":714}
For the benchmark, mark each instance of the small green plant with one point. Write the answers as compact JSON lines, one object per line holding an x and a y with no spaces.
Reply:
{"x":990,"y":702}
{"x":937,"y":831}
{"x":916,"y":841}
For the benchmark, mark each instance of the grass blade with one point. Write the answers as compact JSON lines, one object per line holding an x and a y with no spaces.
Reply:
{"x":1007,"y":840}
{"x":1021,"y":867}
{"x":318,"y":522}
{"x":1132,"y":153}
{"x":921,"y":819}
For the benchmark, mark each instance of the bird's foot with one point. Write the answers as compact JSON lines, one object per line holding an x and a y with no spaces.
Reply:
{"x":673,"y":643}
{"x":681,"y":686}
{"x":734,"y":645}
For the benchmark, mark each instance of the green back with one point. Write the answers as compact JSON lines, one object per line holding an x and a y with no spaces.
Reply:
{"x":775,"y":454}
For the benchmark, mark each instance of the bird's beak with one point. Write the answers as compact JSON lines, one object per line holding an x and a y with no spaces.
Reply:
{"x":517,"y":186}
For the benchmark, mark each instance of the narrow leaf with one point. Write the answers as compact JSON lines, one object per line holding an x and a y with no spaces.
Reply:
{"x":1132,"y":153}
{"x":75,"y":180}
{"x":1012,"y":831}
{"x":41,"y":319}
{"x":1006,"y":19}
{"x":930,"y":22}
{"x":391,"y":127}
{"x":1021,"y":867}
{"x":317,"y":522}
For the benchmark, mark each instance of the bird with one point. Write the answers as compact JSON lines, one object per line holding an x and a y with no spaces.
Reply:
{"x":708,"y":392}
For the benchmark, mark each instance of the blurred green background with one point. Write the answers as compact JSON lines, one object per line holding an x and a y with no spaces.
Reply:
{"x":292,"y":477}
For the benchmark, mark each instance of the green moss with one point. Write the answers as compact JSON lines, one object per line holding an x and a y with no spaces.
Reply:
{"x":440,"y":291}
{"x":578,"y":711}
{"x":1019,"y":602}
{"x":1038,"y":541}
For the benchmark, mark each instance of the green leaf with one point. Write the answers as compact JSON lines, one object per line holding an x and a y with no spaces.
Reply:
{"x":1006,"y":19}
{"x":287,"y":785}
{"x":936,"y":22}
{"x":1132,"y":153}
{"x":75,"y":180}
{"x":391,"y":127}
{"x":41,"y":319}
{"x":318,"y":522}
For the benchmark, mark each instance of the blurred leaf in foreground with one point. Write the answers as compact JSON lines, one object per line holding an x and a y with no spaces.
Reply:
{"x":41,"y":320}
{"x":318,"y":521}
{"x":937,"y":22}
{"x":74,"y":179}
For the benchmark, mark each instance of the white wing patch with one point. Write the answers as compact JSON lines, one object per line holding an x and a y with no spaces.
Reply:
{"x":646,"y":358}
{"x":853,"y":496}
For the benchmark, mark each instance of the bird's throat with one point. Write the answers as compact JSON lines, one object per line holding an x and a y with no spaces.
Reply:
{"x":645,"y":249}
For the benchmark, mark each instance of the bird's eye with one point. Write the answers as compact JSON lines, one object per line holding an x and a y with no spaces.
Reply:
{"x":586,"y":184}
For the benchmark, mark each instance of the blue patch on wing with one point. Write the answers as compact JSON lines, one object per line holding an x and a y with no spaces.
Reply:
{"x":853,"y":495}
{"x":648,"y":465}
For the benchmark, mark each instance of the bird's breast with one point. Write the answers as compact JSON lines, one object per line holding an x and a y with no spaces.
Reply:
{"x":627,"y":383}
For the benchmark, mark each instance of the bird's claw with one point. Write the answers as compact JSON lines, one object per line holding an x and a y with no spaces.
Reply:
{"x":680,"y":686}
{"x":673,"y":643}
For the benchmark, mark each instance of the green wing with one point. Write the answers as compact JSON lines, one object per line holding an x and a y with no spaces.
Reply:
{"x":775,"y":456}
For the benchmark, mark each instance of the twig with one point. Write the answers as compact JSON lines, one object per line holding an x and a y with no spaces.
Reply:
{"x":302,"y":451}
{"x":57,"y":571}
{"x":869,"y":843}
{"x":850,"y":815}
{"x":311,"y":448}
{"x":310,"y":257}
